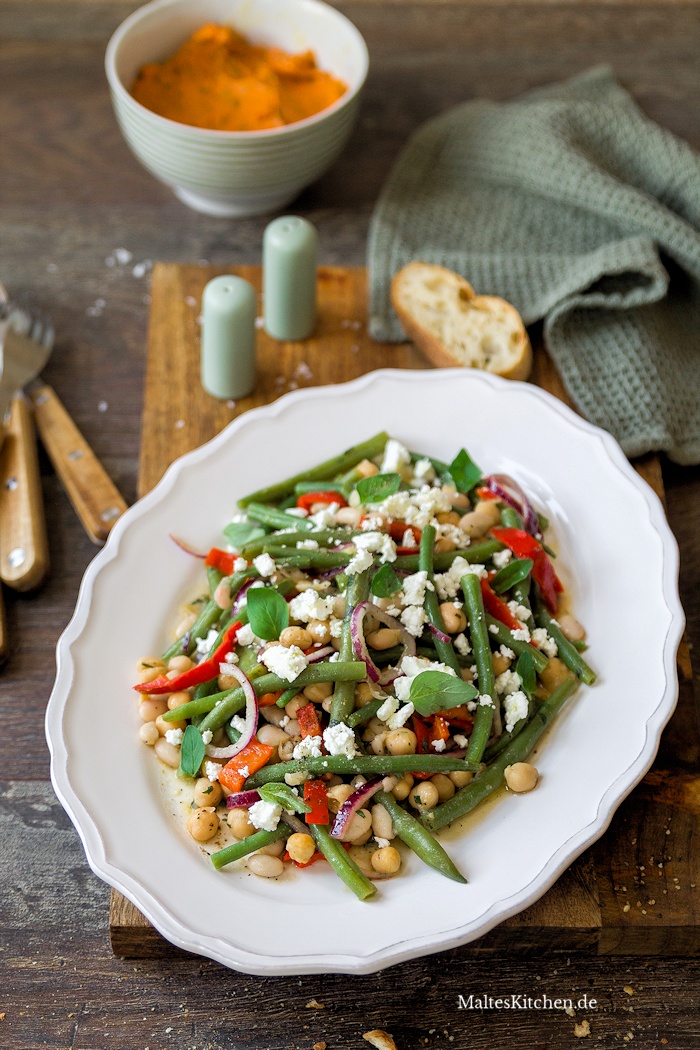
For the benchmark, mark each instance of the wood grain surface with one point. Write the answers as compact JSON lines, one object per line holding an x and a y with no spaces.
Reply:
{"x":70,"y":194}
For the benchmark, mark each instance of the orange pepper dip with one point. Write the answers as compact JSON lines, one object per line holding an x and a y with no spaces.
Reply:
{"x":218,"y":80}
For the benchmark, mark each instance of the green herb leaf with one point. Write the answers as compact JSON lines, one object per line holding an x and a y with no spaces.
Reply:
{"x":465,"y":473}
{"x":191,"y":752}
{"x":525,"y":668}
{"x":433,"y":691}
{"x":238,"y":533}
{"x":512,"y":573}
{"x":378,"y":487}
{"x":282,"y":795}
{"x":543,"y":522}
{"x":268,"y":612}
{"x":385,"y":582}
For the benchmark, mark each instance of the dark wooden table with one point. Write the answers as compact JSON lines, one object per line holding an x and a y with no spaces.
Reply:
{"x":70,"y":193}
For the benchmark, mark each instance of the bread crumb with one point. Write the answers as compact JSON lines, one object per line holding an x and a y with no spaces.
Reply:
{"x":569,"y":1011}
{"x":382,"y":1040}
{"x":628,"y":1038}
{"x":313,"y":1004}
{"x":582,"y":1030}
{"x":626,"y":907}
{"x":319,"y":1046}
{"x":629,"y":990}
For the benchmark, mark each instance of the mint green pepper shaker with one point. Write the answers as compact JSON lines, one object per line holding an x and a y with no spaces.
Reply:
{"x":229,"y":306}
{"x":290,"y":248}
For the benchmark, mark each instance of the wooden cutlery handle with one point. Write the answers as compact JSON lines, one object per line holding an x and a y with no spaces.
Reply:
{"x":95,"y":497}
{"x":24,"y":550}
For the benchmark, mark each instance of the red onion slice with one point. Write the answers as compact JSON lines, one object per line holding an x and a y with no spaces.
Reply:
{"x":440,"y":635}
{"x":251,"y":719}
{"x":351,"y":806}
{"x":503,"y":486}
{"x":238,"y":600}
{"x":359,"y":643}
{"x":242,"y":799}
{"x":320,"y":654}
{"x":186,"y":547}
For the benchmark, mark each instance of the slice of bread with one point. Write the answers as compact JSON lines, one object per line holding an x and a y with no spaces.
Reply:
{"x":442,"y":314}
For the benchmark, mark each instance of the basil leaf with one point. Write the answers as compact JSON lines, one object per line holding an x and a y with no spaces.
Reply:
{"x":525,"y":668}
{"x":433,"y":691}
{"x":191,"y":752}
{"x":268,"y":612}
{"x":385,"y":582}
{"x":238,"y":533}
{"x":465,"y":473}
{"x":512,"y":573}
{"x":378,"y":487}
{"x":282,"y":795}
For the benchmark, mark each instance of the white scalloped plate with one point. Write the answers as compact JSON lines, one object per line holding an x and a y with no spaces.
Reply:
{"x":617,"y":555}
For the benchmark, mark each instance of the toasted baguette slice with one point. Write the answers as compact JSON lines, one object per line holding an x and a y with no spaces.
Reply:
{"x":452,"y":325}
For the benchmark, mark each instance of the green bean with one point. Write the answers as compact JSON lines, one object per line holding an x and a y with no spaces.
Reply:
{"x":501,"y":743}
{"x":432,"y":607}
{"x":206,"y":702}
{"x":290,"y":539}
{"x":343,"y":865}
{"x":568,"y":653}
{"x":344,"y":693}
{"x":423,"y":844}
{"x":483,"y":718}
{"x":515,"y":572}
{"x":210,"y":614}
{"x":214,"y":578}
{"x":288,"y":695}
{"x":504,"y":636}
{"x":442,"y":561}
{"x":363,"y":714}
{"x":302,"y":487}
{"x":510,"y":519}
{"x":241,"y":849}
{"x":276,"y":519}
{"x":329,"y":469}
{"x":321,"y":559}
{"x":483,"y":785}
{"x":367,"y":765}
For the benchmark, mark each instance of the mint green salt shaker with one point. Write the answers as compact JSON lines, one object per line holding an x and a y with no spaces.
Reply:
{"x":229,"y":306}
{"x":290,"y":248}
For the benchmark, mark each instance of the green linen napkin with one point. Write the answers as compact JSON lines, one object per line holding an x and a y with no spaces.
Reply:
{"x":574,"y":206}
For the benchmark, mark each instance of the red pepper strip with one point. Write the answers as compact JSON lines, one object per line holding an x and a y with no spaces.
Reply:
{"x":497,"y":607}
{"x":221,"y":560}
{"x":458,"y":717}
{"x":315,"y":793}
{"x":267,"y":699}
{"x":309,"y":724}
{"x":422,"y":731}
{"x":485,"y":493}
{"x":523,"y":545}
{"x":307,"y":499}
{"x":248,"y":761}
{"x":439,"y":730}
{"x":203,"y":672}
{"x":316,"y":856}
{"x":398,"y":529}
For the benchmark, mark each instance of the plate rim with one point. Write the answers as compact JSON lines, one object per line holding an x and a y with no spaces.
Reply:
{"x":235,"y":956}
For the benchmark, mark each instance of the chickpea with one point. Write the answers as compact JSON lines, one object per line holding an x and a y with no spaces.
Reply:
{"x":222,"y":595}
{"x":317,"y":693}
{"x":240,"y":824}
{"x":461,"y":777}
{"x":362,"y":855}
{"x":337,"y":795}
{"x":571,"y":628}
{"x":521,"y":777}
{"x":348,"y":516}
{"x":373,"y":728}
{"x":445,"y":787}
{"x":273,"y":714}
{"x":363,"y":694}
{"x":454,"y":618}
{"x":500,"y":663}
{"x":147,"y":663}
{"x":227,"y":681}
{"x":401,"y":742}
{"x":444,"y":544}
{"x":449,"y":517}
{"x":207,"y":793}
{"x":467,"y":674}
{"x":424,"y":796}
{"x":319,"y":631}
{"x":295,"y":779}
{"x":359,"y":829}
{"x":386,"y":860}
{"x":377,"y":746}
{"x":286,"y":750}
{"x":477,"y":522}
{"x":265,"y":867}
{"x":167,"y":753}
{"x":148,"y":674}
{"x":272,"y":735}
{"x":152,"y":707}
{"x":336,"y":643}
{"x":554,"y":674}
{"x":384,"y":638}
{"x":358,"y":781}
{"x":180,"y":664}
{"x":178,"y":699}
{"x":203,"y":824}
{"x":401,"y":789}
{"x":327,"y":704}
{"x":382,"y":825}
{"x":339,"y":607}
{"x":149,"y":734}
{"x":163,"y":726}
{"x":220,"y":738}
{"x":301,"y":848}
{"x":458,"y":499}
{"x":292,"y":708}
{"x":366,"y":468}
{"x":298,"y":636}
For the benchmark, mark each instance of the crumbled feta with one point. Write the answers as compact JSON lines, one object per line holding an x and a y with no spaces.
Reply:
{"x":174,"y":736}
{"x":265,"y":815}
{"x":515,"y":707}
{"x":461,"y":644}
{"x":471,"y":705}
{"x":244,"y":772}
{"x":285,"y":662}
{"x":439,"y":745}
{"x":204,"y":645}
{"x":501,"y":558}
{"x":409,"y":539}
{"x":207,"y":736}
{"x":460,"y":740}
{"x":493,"y":629}
{"x":239,"y":564}
{"x":522,"y":634}
{"x":309,"y":605}
{"x":414,"y":588}
{"x":336,"y":627}
{"x":228,"y":664}
{"x":362,"y":560}
{"x":401,"y":717}
{"x":334,"y":658}
{"x":423,"y":471}
{"x":410,"y":667}
{"x":454,"y":533}
{"x":388,"y":708}
{"x":265,"y":564}
{"x":212,"y":770}
{"x":485,"y":700}
{"x":324,"y":518}
{"x":413,"y":617}
{"x":508,"y":682}
{"x":396,"y":456}
{"x":382,"y":843}
{"x":238,"y":723}
{"x":309,"y":747}
{"x":377,"y":542}
{"x":448,"y":583}
{"x":297,"y":512}
{"x":506,"y":653}
{"x":425,"y":504}
{"x":245,"y":636}
{"x":520,"y":612}
{"x":543,"y":641}
{"x":340,"y":740}
{"x":371,"y":523}
{"x":307,"y":545}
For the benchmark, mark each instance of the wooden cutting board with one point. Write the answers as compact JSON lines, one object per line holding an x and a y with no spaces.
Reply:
{"x":634,"y":891}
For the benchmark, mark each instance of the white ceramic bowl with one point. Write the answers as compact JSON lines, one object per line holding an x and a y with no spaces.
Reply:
{"x":237,"y":173}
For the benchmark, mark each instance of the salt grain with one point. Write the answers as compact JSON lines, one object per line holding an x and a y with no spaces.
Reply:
{"x":142,"y":268}
{"x":102,"y":406}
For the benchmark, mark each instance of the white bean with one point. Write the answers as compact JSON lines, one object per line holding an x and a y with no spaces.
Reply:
{"x":264,"y":866}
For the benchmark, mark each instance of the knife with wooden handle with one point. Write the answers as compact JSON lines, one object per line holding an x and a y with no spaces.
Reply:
{"x":24,"y":548}
{"x":95,"y":498}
